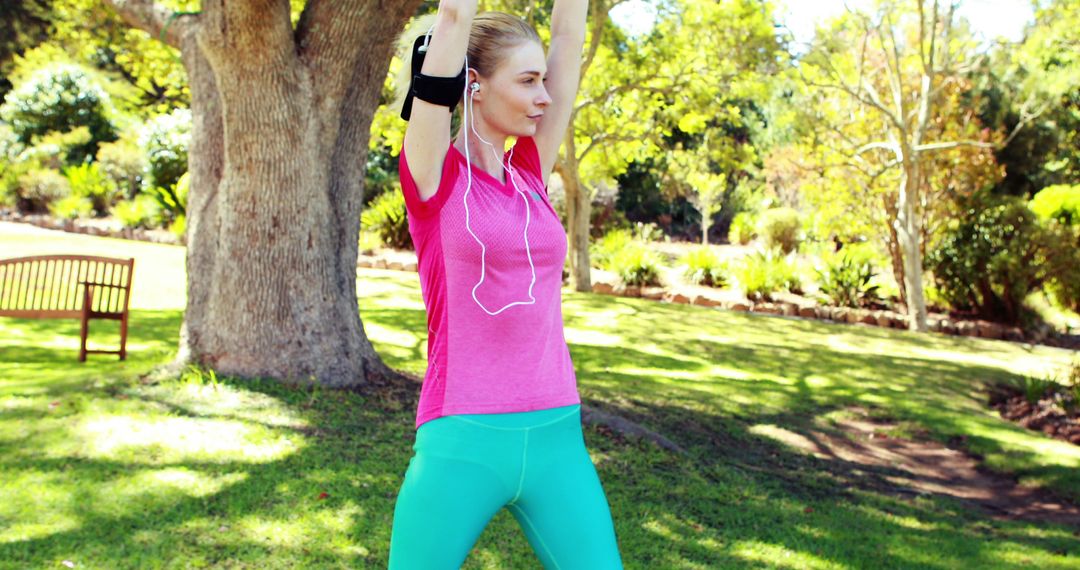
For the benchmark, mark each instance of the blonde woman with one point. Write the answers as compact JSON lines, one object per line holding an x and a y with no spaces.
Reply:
{"x":499,"y":418}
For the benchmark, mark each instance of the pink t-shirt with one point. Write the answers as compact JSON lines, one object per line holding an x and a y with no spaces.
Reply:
{"x":516,"y":360}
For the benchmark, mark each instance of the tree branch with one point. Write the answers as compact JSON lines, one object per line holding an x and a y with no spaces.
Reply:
{"x":153,"y":18}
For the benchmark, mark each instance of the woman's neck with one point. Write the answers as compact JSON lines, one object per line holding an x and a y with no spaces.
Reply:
{"x":480,"y":154}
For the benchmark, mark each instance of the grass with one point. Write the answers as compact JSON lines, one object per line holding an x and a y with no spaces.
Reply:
{"x":103,"y":471}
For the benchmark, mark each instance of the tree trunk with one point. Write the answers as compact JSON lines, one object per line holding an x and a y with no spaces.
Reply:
{"x":277,"y":159}
{"x":908,"y":233}
{"x":578,"y":211}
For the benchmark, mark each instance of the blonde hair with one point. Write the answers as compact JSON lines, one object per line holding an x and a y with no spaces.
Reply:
{"x":491,"y":35}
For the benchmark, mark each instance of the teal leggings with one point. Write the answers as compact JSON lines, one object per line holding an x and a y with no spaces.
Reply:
{"x":467,"y":467}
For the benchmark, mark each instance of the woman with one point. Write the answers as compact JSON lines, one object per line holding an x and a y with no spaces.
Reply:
{"x":499,"y":418}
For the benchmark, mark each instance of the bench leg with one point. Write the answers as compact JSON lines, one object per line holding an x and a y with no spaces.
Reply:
{"x":85,"y":324}
{"x":123,"y":336}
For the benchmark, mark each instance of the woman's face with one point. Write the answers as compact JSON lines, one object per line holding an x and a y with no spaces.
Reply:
{"x":513,"y":99}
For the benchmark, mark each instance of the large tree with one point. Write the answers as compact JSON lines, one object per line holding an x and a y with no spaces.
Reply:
{"x":892,"y":71}
{"x":282,"y":113}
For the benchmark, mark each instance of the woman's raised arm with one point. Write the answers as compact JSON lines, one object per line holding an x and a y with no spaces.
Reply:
{"x":568,"y":21}
{"x":427,"y":135}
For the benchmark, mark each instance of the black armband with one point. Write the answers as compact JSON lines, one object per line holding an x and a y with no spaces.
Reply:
{"x":443,"y":91}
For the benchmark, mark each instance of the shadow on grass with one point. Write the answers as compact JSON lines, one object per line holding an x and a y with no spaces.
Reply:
{"x":739,"y":500}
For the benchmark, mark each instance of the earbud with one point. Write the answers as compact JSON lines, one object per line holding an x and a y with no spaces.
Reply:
{"x":474,"y":86}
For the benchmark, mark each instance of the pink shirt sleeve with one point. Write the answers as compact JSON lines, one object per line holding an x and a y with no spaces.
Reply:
{"x":424,"y":208}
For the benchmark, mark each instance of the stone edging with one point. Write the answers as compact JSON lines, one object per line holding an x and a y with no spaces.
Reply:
{"x":94,"y":227}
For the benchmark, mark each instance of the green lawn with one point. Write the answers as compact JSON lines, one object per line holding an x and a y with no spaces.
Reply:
{"x":103,"y":471}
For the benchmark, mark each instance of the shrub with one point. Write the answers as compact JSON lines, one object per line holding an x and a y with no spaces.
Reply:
{"x":991,"y":257}
{"x":88,"y":181}
{"x":703,"y":267}
{"x":765,"y":272}
{"x":40,"y":187}
{"x":386,"y":216}
{"x":172,"y":202}
{"x":636,"y":264}
{"x":847,"y":282}
{"x":72,"y":207}
{"x":647,"y":231}
{"x":58,"y":98}
{"x":601,"y":252}
{"x":123,"y":161}
{"x":165,"y":139}
{"x":780,"y":228}
{"x":742,"y":229}
{"x":1060,"y":202}
{"x":178,"y":227}
{"x":142,"y":212}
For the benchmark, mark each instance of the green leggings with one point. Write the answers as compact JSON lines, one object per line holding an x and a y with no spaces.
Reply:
{"x":467,"y":467}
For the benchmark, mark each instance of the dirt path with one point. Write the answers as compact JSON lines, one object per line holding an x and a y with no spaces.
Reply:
{"x":914,"y":466}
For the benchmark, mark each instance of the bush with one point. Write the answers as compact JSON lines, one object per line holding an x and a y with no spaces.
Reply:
{"x":172,"y":202}
{"x":72,"y":207}
{"x":123,"y":162}
{"x":165,"y":139}
{"x":763,"y":273}
{"x":88,"y":181}
{"x":780,"y":228}
{"x":992,"y":257}
{"x":386,"y":217}
{"x":703,"y":267}
{"x":636,"y":264}
{"x":59,"y":98}
{"x":1058,"y":207}
{"x":178,"y":227}
{"x":847,"y":282}
{"x":601,"y":252}
{"x":742,"y":229}
{"x":142,"y":212}
{"x":39,"y":188}
{"x":647,"y":231}
{"x":1060,"y":202}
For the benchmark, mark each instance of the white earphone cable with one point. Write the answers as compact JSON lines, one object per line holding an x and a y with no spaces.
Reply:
{"x":509,"y":174}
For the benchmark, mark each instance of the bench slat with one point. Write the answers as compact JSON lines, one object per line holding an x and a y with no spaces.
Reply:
{"x":82,"y":287}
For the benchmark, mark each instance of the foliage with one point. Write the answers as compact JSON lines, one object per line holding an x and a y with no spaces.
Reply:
{"x":165,"y":139}
{"x":636,"y":264}
{"x":1060,"y":202}
{"x":142,"y":212}
{"x":90,"y":182}
{"x":780,"y":228}
{"x":992,"y":257}
{"x":601,"y":252}
{"x":386,"y":217}
{"x":178,"y":227}
{"x":646,"y":232}
{"x":40,"y":187}
{"x":765,"y":272}
{"x":847,"y":282}
{"x":72,"y":207}
{"x":60,"y":98}
{"x":742,"y":229}
{"x":172,"y":202}
{"x":703,"y":267}
{"x":124,"y":162}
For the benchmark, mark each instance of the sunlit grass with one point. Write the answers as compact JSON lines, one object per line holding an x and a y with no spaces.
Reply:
{"x":107,"y":472}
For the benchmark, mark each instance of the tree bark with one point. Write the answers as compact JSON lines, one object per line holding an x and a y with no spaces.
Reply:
{"x":908,"y":232}
{"x":578,"y":211}
{"x":277,"y":159}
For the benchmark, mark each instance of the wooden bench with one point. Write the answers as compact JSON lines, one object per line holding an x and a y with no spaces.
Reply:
{"x":81,"y":287}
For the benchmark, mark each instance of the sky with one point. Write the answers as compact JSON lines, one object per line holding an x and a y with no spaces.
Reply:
{"x":989,"y":19}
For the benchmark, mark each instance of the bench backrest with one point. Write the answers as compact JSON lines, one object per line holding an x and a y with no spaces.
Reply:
{"x":53,"y":286}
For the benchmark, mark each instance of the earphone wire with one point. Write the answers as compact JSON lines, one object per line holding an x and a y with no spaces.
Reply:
{"x":464,"y":200}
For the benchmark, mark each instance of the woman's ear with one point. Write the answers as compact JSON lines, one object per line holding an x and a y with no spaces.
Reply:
{"x":472,"y":87}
